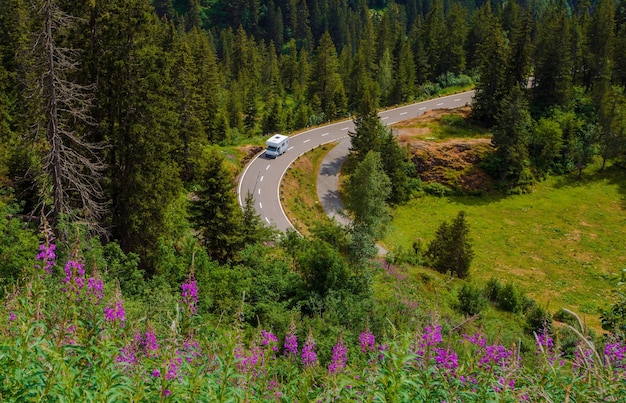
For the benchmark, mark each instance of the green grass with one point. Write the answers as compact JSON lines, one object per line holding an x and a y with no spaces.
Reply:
{"x":299,"y":190}
{"x":563,"y":244}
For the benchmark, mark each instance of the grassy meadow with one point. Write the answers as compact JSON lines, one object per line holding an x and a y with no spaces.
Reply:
{"x":563,"y":244}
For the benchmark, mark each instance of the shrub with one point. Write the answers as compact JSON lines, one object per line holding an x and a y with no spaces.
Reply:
{"x":471,"y":300}
{"x":509,"y":299}
{"x":437,"y":189}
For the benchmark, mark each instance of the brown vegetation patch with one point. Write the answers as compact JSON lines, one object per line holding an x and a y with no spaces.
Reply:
{"x":249,"y":152}
{"x":453,"y":163}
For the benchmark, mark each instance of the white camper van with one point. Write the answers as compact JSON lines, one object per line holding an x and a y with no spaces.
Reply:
{"x":276,"y":145}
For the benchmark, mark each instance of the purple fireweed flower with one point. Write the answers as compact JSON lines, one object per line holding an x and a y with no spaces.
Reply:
{"x":545,"y":346}
{"x":309,"y":357}
{"x":112,"y":314}
{"x":476,"y":339}
{"x":47,"y":256}
{"x":494,"y":355}
{"x":190,"y":293}
{"x":381,"y":350}
{"x":191,"y":350}
{"x":367,"y":341}
{"x":432,"y":335}
{"x":127,"y":355}
{"x":446,"y":359}
{"x":95,"y":289}
{"x":173,"y":368}
{"x":156,"y":373}
{"x":151,"y":346}
{"x":269,"y":339}
{"x":615,"y":355}
{"x":291,"y":345}
{"x":167,"y":392}
{"x":339,"y":359}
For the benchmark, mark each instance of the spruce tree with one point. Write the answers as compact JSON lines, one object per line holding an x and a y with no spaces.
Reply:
{"x":510,"y":138}
{"x":451,"y":250}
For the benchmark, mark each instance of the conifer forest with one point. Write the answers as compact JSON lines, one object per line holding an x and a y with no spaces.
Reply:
{"x":129,"y":271}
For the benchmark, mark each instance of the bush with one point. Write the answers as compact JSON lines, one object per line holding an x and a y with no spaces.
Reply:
{"x":471,"y":300}
{"x":492,"y":290}
{"x":437,"y":189}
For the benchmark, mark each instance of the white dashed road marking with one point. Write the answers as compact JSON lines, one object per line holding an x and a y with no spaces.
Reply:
{"x":259,"y":191}
{"x":457,"y":100}
{"x":345,"y":128}
{"x":325,"y":134}
{"x":403,"y":113}
{"x":261,"y":180}
{"x":260,"y":205}
{"x":440,"y":103}
{"x":291,"y":147}
{"x":386,"y":117}
{"x":268,"y":221}
{"x":268,"y":167}
{"x":421,"y":109}
{"x":306,"y":141}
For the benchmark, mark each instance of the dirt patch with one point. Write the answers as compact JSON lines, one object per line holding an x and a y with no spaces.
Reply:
{"x":249,"y":152}
{"x":453,"y":163}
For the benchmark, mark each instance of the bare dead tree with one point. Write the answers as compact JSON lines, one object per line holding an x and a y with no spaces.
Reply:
{"x":70,"y":180}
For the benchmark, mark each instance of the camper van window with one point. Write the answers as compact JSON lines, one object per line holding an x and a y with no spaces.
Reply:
{"x":271,"y":148}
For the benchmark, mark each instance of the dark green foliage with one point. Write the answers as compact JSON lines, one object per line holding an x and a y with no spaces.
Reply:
{"x":451,"y":251}
{"x":332,"y":233}
{"x":367,"y":189}
{"x":510,"y":137}
{"x":552,"y":83}
{"x":122,"y":267}
{"x":537,"y":319}
{"x":323,"y":269}
{"x":492,"y":56}
{"x":614,"y":318}
{"x":506,"y":297}
{"x":216,"y":212}
{"x":471,"y":300}
{"x":18,"y":245}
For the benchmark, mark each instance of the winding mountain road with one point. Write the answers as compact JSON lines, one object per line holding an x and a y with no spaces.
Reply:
{"x":262,"y":176}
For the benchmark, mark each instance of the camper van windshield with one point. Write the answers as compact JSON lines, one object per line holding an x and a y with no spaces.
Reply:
{"x":272,"y":148}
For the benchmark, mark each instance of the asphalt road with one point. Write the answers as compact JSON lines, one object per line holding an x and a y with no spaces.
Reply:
{"x":262,"y":176}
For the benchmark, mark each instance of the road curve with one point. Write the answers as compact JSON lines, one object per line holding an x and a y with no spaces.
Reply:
{"x":262,"y":176}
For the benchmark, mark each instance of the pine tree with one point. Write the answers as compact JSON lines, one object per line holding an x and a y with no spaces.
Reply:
{"x":510,"y":138}
{"x":493,"y":55}
{"x":137,"y":102}
{"x":451,"y":250}
{"x":453,"y":58}
{"x":215,"y":210}
{"x":325,"y":80}
{"x":553,"y":60}
{"x":368,"y":189}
